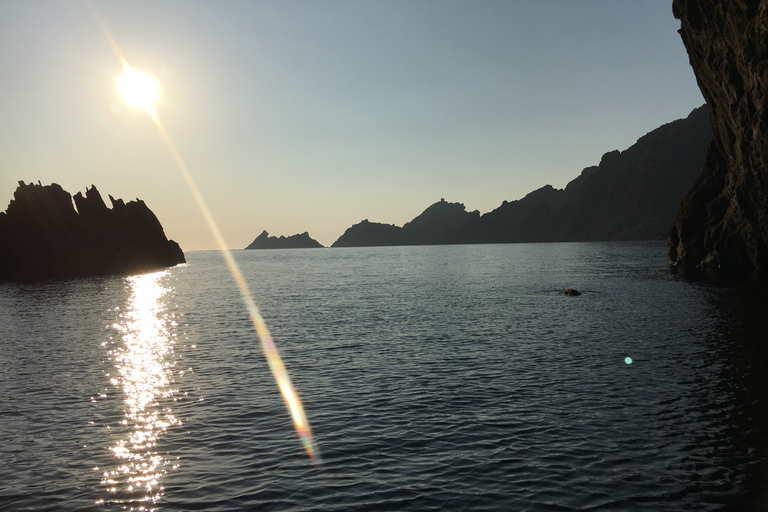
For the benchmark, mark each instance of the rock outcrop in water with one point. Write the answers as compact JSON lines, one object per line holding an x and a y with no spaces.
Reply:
{"x":632,"y":195}
{"x":300,"y":241}
{"x":43,"y":237}
{"x":723,"y":221}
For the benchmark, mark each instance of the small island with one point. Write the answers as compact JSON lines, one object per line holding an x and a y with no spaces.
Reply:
{"x":43,"y":236}
{"x":298,"y":241}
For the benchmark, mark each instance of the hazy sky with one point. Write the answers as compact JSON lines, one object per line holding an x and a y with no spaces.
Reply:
{"x":307,"y":115}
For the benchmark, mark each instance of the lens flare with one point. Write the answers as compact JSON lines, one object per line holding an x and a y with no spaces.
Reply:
{"x":291,"y":398}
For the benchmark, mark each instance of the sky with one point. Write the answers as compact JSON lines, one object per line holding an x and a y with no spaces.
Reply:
{"x":313,"y":115}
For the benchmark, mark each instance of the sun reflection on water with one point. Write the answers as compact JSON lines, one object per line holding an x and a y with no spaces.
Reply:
{"x":144,"y":361}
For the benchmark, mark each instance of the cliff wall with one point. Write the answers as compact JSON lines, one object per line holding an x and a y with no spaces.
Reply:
{"x":723,"y":221}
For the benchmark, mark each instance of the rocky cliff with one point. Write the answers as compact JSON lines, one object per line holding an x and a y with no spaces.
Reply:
{"x":723,"y":221}
{"x":43,"y":237}
{"x":302,"y":241}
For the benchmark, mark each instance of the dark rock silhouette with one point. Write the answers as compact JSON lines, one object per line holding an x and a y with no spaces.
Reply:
{"x":723,"y":221}
{"x":367,"y":234}
{"x":43,"y":237}
{"x":632,"y":195}
{"x":302,"y":241}
{"x":424,"y":229}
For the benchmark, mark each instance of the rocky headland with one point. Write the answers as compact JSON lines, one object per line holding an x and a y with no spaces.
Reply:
{"x":299,"y":241}
{"x":425,"y":229}
{"x":43,"y":236}
{"x":631,"y":195}
{"x":723,"y":221}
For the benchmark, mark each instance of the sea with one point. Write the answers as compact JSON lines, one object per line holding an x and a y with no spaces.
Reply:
{"x":434,"y":378}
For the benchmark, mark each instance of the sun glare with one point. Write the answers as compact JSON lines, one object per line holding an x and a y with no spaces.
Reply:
{"x":138,"y":89}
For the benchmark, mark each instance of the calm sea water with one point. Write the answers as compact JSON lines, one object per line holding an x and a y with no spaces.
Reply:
{"x":435,"y":378}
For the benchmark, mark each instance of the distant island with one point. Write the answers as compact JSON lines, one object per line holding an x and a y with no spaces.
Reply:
{"x":43,"y":237}
{"x":299,"y":241}
{"x":631,"y":195}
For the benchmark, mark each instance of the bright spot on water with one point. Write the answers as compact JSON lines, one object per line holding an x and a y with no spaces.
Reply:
{"x":144,"y":360}
{"x":628,"y":360}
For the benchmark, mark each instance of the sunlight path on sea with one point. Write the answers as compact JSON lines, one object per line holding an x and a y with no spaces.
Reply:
{"x":144,"y":360}
{"x":272,"y":355}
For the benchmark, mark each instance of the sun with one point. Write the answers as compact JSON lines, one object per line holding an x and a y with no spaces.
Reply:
{"x":138,"y":89}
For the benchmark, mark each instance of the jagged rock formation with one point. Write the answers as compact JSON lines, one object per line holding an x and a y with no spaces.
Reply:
{"x":302,"y":241}
{"x":632,"y":195}
{"x":43,"y":237}
{"x":423,"y":230}
{"x":723,"y":221}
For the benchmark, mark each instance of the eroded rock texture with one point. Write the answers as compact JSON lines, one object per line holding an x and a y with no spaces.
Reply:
{"x":43,"y":237}
{"x":723,"y":221}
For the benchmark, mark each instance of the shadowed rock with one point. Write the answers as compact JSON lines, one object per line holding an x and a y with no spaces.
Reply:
{"x":43,"y":236}
{"x":722,"y":223}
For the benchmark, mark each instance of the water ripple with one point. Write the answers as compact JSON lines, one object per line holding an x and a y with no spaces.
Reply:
{"x":436,"y":378}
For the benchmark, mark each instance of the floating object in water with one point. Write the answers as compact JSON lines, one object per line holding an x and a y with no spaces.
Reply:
{"x":572,"y":292}
{"x":628,"y":360}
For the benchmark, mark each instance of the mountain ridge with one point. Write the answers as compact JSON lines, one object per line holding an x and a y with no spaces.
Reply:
{"x":630,"y":195}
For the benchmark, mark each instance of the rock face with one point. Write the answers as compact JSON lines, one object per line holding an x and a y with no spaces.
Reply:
{"x":302,"y":241}
{"x":632,"y":195}
{"x":723,"y":221}
{"x":423,"y":230}
{"x":43,"y":237}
